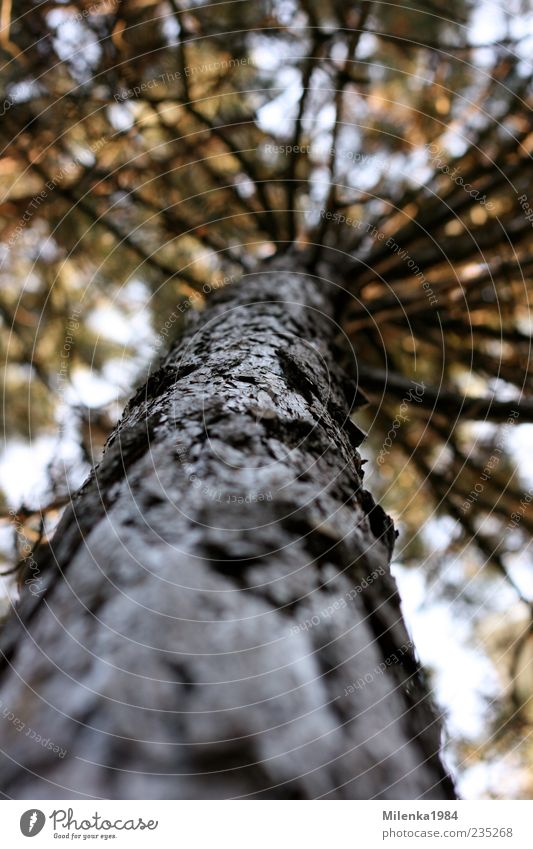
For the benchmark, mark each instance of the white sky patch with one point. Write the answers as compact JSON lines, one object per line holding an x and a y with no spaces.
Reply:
{"x":487,"y":24}
{"x":171,"y":29}
{"x":484,"y":57}
{"x":48,"y":249}
{"x":286,"y":11}
{"x":437,"y":532}
{"x":265,"y":58}
{"x":319,"y":185}
{"x":367,"y":46}
{"x":114,"y":324}
{"x":244,"y":185}
{"x":120,"y":116}
{"x":500,"y":778}
{"x":277,"y":117}
{"x":327,"y":116}
{"x":368,"y":170}
{"x":462,"y":675}
{"x":84,"y":155}
{"x":521,"y":26}
{"x":453,"y":142}
{"x":268,"y":54}
{"x":129,"y":327}
{"x":520,"y":448}
{"x":91,"y":389}
{"x":23,"y":469}
{"x":75,"y":43}
{"x":23,"y":91}
{"x":519,"y":566}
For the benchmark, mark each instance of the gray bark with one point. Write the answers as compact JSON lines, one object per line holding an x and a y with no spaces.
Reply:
{"x":220,"y":587}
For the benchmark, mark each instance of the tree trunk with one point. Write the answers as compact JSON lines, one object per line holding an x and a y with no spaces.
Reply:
{"x":215,"y":616}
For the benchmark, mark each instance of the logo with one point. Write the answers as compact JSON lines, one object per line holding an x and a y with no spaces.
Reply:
{"x":32,"y":822}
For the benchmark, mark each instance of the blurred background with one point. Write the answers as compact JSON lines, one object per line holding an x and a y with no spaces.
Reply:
{"x":151,"y":151}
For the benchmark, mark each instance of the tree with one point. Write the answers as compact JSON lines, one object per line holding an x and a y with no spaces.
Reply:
{"x":185,"y":644}
{"x":215,"y":614}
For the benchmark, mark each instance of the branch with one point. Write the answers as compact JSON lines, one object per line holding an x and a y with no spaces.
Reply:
{"x":444,"y":401}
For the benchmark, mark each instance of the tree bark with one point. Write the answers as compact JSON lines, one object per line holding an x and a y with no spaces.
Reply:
{"x":215,"y":616}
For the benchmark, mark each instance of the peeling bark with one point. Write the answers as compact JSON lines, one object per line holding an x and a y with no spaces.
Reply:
{"x":220,"y":587}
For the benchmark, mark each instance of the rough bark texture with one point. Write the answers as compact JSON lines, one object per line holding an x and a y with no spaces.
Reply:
{"x":203,"y":617}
